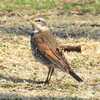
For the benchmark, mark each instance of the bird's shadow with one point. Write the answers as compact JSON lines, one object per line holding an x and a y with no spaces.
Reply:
{"x":19,"y":80}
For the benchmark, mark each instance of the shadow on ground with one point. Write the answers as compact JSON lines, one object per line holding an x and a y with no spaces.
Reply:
{"x":18,"y":80}
{"x":18,"y":30}
{"x":16,"y":96}
{"x":65,"y":31}
{"x":12,"y":96}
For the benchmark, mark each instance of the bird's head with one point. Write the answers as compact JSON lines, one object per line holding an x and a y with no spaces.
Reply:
{"x":39,"y":25}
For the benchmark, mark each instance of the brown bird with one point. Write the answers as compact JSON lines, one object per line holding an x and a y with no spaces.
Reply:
{"x":46,"y":49}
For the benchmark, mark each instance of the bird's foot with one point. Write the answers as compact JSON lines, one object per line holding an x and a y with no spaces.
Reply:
{"x":46,"y":82}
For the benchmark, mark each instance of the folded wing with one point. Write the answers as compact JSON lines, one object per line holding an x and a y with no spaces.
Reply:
{"x":55,"y":56}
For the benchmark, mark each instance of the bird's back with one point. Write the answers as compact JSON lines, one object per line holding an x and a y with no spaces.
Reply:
{"x":50,"y":39}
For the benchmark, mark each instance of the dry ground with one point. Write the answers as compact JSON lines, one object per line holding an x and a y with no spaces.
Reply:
{"x":20,"y":72}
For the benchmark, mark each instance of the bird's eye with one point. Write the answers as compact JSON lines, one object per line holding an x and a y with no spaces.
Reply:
{"x":38,"y":20}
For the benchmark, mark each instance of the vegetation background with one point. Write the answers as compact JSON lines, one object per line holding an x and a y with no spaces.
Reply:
{"x":73,"y":22}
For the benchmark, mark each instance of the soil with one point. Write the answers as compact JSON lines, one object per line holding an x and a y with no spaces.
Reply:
{"x":20,"y":73}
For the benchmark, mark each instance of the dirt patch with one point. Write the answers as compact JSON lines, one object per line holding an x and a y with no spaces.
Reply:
{"x":62,"y":25}
{"x":20,"y":73}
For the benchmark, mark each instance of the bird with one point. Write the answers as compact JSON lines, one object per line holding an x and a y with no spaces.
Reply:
{"x":46,"y":49}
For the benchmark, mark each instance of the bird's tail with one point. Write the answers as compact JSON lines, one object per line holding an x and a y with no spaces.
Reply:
{"x":74,"y":75}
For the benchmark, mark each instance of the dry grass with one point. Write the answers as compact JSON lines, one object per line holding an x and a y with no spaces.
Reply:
{"x":17,"y":66}
{"x":20,"y":72}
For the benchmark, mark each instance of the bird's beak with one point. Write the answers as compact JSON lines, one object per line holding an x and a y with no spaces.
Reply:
{"x":33,"y":23}
{"x":36,"y":25}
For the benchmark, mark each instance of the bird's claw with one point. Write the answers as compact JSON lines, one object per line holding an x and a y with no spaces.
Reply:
{"x":46,"y":82}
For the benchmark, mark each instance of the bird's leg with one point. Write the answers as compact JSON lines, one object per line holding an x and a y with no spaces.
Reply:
{"x":71,"y":48}
{"x":50,"y":72}
{"x":46,"y":81}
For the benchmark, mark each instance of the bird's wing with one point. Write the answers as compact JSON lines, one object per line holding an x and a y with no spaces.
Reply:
{"x":55,"y":56}
{"x":52,"y":54}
